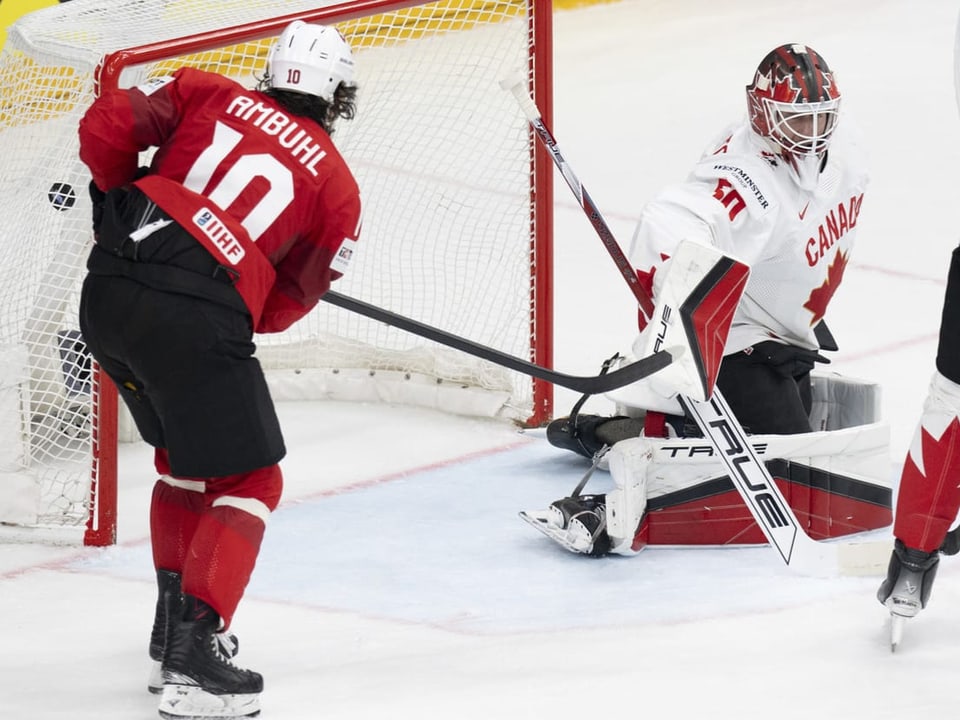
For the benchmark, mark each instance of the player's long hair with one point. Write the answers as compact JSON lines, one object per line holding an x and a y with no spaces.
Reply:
{"x":325,"y":114}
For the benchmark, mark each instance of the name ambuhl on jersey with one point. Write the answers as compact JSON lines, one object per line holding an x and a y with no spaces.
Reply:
{"x":749,"y":203}
{"x":267,"y":194}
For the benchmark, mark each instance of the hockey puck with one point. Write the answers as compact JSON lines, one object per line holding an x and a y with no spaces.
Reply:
{"x":62,"y":196}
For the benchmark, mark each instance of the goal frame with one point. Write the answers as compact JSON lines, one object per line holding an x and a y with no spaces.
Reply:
{"x":101,"y":526}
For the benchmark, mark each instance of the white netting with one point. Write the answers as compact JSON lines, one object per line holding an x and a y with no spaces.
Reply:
{"x":443,"y":159}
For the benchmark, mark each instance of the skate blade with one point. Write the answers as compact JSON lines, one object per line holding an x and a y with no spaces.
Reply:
{"x":155,"y":681}
{"x":896,"y":630}
{"x":539,"y":519}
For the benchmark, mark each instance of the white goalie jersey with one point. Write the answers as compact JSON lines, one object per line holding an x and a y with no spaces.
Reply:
{"x":751,"y":204}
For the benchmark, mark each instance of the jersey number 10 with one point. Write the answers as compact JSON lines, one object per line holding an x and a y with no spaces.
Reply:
{"x":238,"y":176}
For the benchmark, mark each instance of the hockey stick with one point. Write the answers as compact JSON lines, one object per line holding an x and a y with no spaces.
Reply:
{"x":590,"y":384}
{"x":749,"y":474}
{"x":518,"y":88}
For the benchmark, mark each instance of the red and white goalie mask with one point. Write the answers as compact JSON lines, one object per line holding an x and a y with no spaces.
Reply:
{"x":794,"y":102}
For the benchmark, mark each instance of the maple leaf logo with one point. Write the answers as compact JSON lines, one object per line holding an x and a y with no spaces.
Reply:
{"x":784,"y":90}
{"x":764,"y":87}
{"x":820,"y":297}
{"x":760,"y":90}
{"x":931,"y":484}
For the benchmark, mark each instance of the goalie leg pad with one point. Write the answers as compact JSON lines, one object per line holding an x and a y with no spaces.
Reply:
{"x":629,"y":462}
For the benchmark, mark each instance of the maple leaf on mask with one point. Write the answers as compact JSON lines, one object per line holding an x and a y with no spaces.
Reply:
{"x":820,"y":297}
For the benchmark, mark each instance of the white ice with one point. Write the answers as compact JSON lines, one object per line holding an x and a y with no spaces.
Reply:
{"x":396,"y":580}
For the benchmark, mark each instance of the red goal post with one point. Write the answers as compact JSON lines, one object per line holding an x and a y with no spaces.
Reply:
{"x":458,"y":222}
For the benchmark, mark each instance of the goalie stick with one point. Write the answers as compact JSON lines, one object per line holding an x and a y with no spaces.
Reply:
{"x":590,"y":384}
{"x":749,"y":474}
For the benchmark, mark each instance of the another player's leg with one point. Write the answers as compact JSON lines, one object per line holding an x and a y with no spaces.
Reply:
{"x":219,"y":481}
{"x":928,"y":497}
{"x":176,"y":506}
{"x":199,"y":679}
{"x":927,"y":502}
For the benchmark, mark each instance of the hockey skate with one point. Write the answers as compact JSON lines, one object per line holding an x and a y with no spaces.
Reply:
{"x":906,"y":589}
{"x":199,"y":681}
{"x":170,"y":604}
{"x":576,"y":523}
{"x":588,"y":434}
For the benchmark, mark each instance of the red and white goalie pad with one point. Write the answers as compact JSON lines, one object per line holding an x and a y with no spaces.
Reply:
{"x":676,"y":491}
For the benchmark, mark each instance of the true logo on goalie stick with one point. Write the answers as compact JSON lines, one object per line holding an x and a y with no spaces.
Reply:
{"x":665,"y":322}
{"x":740,"y":465}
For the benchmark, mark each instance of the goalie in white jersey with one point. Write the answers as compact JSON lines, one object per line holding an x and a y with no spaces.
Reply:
{"x":780,"y":191}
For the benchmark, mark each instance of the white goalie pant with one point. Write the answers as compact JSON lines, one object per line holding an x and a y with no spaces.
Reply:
{"x":629,"y":462}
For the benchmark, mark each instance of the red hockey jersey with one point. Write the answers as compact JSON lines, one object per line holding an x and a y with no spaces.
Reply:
{"x":266,"y":192}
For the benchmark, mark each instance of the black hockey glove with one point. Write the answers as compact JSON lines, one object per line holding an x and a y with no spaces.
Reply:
{"x":97,"y":197}
{"x":788,"y":360}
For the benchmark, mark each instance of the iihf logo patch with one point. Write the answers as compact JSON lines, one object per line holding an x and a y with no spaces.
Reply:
{"x":220,"y":235}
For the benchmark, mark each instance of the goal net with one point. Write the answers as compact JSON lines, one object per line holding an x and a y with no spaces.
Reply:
{"x":457,"y":222}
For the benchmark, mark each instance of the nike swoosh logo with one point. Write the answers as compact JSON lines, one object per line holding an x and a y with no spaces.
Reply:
{"x":804,"y":211}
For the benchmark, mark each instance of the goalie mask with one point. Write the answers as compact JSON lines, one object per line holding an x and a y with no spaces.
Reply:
{"x":794,"y":101}
{"x":310,"y":59}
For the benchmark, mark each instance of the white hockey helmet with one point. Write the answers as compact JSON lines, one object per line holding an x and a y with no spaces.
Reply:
{"x":310,"y":59}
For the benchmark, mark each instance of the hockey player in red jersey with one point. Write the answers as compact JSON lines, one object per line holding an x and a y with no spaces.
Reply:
{"x":244,"y":217}
{"x":928,"y":496}
{"x":780,"y":191}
